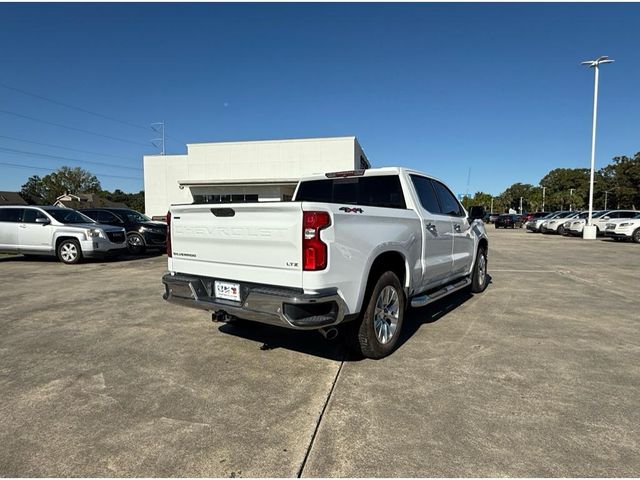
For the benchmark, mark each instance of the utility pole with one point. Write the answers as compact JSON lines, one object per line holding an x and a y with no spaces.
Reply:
{"x":491,"y":204}
{"x":589,"y":231}
{"x":544,"y":189}
{"x":606,"y":192}
{"x":520,"y":205}
{"x":158,"y":127}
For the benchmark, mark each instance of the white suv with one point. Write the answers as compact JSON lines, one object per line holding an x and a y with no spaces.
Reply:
{"x":601,"y":222}
{"x":626,"y":229}
{"x":63,"y":232}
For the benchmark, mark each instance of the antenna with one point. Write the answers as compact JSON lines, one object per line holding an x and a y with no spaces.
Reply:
{"x":158,"y":127}
{"x":468,"y":181}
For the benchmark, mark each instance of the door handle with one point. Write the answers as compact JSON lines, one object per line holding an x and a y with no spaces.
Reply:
{"x":457,"y":228}
{"x":432,"y":228}
{"x":22,"y":225}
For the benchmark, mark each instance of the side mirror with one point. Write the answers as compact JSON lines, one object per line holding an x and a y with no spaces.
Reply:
{"x":606,"y":218}
{"x":476,"y":213}
{"x":43,"y":221}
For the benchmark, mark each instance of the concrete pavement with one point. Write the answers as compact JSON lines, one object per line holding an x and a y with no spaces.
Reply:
{"x":538,"y":376}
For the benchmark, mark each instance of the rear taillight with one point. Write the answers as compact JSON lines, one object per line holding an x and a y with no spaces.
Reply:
{"x":169,"y":234}
{"x":314,"y":250}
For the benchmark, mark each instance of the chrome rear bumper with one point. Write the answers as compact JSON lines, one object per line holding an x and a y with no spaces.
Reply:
{"x":284,"y":307}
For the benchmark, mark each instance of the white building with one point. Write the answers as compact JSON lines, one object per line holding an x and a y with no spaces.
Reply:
{"x":264,"y":170}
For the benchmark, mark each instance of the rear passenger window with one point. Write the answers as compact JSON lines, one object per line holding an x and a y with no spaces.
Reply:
{"x":374,"y":191}
{"x":11,"y":214}
{"x":448,"y":202}
{"x":426,"y":194}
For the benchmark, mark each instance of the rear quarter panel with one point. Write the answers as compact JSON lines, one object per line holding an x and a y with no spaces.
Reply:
{"x":356,"y":237}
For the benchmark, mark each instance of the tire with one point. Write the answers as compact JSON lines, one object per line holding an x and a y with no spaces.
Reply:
{"x":635,"y":236}
{"x":497,"y":227}
{"x":561,"y":230}
{"x":375,"y":335}
{"x":135,"y":244}
{"x":69,"y":251}
{"x":479,"y":275}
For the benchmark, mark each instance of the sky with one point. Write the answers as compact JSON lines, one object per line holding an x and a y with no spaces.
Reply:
{"x":479,"y":95}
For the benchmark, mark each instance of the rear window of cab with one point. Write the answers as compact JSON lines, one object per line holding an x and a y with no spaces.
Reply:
{"x":374,"y":191}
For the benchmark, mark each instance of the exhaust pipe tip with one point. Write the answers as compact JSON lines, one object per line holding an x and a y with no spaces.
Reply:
{"x":329,"y":333}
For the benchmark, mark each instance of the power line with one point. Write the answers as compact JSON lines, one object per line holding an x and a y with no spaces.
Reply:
{"x":57,"y":157}
{"x":33,"y":167}
{"x":46,"y":122}
{"x":81,"y":109}
{"x":73,"y":107}
{"x":63,"y":148}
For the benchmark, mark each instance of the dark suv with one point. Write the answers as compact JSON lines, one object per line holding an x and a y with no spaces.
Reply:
{"x":142,"y":232}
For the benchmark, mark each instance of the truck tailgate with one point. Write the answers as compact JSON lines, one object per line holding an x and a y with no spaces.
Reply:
{"x":251,"y":242}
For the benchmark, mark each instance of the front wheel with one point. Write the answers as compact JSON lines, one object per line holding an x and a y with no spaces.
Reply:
{"x":135,"y":244}
{"x":561,"y":230}
{"x":69,"y":251}
{"x":479,"y":275}
{"x":376,"y":334}
{"x":635,"y":236}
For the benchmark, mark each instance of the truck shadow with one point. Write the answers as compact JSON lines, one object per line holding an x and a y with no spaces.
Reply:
{"x":313,"y":343}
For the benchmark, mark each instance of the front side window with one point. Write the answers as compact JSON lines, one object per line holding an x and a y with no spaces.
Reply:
{"x":448,"y":202}
{"x":68,"y":216}
{"x":31,"y":214}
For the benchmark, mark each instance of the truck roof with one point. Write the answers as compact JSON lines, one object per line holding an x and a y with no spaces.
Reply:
{"x":369,"y":172}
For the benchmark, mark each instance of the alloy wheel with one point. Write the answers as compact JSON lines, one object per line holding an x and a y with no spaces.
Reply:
{"x":386,"y":315}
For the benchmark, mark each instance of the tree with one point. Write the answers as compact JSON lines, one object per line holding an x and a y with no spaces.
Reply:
{"x":510,"y":198}
{"x":33,"y":190}
{"x":627,"y":180}
{"x":566,"y":187}
{"x":68,"y":180}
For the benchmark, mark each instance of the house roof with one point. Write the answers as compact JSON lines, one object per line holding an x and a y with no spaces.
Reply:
{"x":87,"y":200}
{"x":11,"y":198}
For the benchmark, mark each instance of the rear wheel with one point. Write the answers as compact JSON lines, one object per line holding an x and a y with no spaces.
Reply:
{"x":376,"y":334}
{"x":635,"y":236}
{"x":561,"y":230}
{"x":69,"y":251}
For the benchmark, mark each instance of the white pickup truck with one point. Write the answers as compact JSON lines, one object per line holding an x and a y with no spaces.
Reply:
{"x":352,"y":247}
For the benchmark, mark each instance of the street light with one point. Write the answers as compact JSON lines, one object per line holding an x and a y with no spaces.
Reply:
{"x":589,"y":231}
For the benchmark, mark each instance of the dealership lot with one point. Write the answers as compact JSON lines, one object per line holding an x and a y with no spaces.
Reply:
{"x":538,"y":376}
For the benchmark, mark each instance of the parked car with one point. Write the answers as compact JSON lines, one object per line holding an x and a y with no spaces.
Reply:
{"x":508,"y":220}
{"x":493,"y":217}
{"x":576,"y":225}
{"x":624,"y":229}
{"x":64,"y":232}
{"x":535,"y":224}
{"x":601,"y":222}
{"x":142,"y":232}
{"x":556,"y":224}
{"x":533,"y":215}
{"x":356,"y":247}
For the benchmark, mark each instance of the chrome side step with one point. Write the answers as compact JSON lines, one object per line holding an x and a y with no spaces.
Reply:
{"x":426,"y":299}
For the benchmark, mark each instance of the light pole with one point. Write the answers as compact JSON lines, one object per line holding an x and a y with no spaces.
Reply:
{"x":491,"y":204}
{"x":589,"y":231}
{"x":606,"y":192}
{"x":544,"y":189}
{"x":571,"y":199}
{"x":520,"y":205}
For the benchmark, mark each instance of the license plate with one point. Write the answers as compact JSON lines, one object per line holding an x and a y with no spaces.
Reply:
{"x":227,"y":291}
